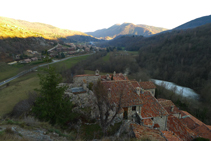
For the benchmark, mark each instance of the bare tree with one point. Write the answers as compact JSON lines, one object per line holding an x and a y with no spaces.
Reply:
{"x":108,"y":109}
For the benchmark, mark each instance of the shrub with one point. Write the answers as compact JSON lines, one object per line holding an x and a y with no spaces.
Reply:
{"x":24,"y":105}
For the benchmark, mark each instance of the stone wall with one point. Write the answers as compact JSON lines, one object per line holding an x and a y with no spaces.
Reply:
{"x":79,"y":80}
{"x":152,"y":91}
{"x":162,"y":121}
{"x":131,"y":113}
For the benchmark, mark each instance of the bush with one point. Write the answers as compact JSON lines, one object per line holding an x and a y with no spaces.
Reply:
{"x":23,"y":106}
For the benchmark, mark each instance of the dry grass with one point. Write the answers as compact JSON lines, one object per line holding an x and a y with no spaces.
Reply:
{"x":17,"y":91}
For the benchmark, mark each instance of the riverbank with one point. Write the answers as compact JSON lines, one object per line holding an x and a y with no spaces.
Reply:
{"x":180,"y":90}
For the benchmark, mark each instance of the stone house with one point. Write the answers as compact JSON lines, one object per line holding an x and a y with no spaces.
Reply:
{"x":79,"y":79}
{"x":170,"y":107}
{"x":34,"y":59}
{"x":148,"y":85}
{"x":139,"y":105}
{"x":25,"y":61}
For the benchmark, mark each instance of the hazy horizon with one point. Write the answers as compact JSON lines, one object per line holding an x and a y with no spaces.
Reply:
{"x":89,"y":16}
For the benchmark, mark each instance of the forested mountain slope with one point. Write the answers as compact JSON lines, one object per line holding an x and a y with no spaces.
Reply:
{"x":195,"y":23}
{"x":183,"y":57}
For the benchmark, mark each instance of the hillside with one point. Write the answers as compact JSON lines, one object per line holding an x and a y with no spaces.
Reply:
{"x":17,"y":36}
{"x":195,"y":23}
{"x":182,"y":57}
{"x":124,"y":29}
{"x":19,"y":28}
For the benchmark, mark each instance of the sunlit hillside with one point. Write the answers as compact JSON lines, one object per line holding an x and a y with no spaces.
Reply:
{"x":125,"y":29}
{"x":19,"y":28}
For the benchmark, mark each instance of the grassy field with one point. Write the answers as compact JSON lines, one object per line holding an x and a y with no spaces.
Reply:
{"x":16,"y":91}
{"x":69,"y":62}
{"x":18,"y":88}
{"x":8,"y":71}
{"x":133,"y":52}
{"x":106,"y":58}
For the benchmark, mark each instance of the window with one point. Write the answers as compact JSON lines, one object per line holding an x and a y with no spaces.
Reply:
{"x":134,"y":108}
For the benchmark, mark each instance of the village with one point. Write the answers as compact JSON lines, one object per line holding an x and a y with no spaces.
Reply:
{"x":57,"y":52}
{"x":142,"y":114}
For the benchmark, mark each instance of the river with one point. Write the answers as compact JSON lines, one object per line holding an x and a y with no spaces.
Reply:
{"x":184,"y":91}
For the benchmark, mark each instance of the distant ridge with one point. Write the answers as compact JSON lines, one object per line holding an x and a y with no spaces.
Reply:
{"x":19,"y":28}
{"x":125,"y":29}
{"x":195,"y":23}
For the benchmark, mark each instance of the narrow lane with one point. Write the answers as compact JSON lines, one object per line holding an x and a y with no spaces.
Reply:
{"x":34,"y":68}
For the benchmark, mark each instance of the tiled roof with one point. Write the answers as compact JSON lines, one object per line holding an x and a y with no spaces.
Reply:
{"x":147,"y":85}
{"x":176,"y":126}
{"x":120,"y":76}
{"x":151,"y":107}
{"x":135,"y":83}
{"x":167,"y":104}
{"x":196,"y":125}
{"x":189,"y":120}
{"x":146,"y":132}
{"x":148,"y":122}
{"x":156,"y":125}
{"x":171,"y":136}
{"x":203,"y":131}
{"x":129,"y":97}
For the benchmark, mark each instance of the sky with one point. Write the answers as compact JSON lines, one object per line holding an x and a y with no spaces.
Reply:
{"x":91,"y":15}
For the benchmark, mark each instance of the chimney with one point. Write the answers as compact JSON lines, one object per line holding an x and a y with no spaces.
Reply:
{"x":138,"y":90}
{"x":179,"y":115}
{"x":84,"y":86}
{"x":172,"y":108}
{"x":142,"y":90}
{"x":124,"y":76}
{"x":107,"y":76}
{"x":109,"y":92}
{"x":114,"y":74}
{"x":97,"y":72}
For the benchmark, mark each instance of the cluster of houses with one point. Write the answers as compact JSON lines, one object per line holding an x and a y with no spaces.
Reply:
{"x":25,"y":61}
{"x":159,"y":119}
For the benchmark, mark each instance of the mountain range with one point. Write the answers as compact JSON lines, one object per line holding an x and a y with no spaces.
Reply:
{"x":124,"y":29}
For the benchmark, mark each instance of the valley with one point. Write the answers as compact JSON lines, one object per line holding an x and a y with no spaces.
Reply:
{"x":127,"y":81}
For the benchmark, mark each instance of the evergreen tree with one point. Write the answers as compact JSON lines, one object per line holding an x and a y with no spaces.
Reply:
{"x":51,"y":105}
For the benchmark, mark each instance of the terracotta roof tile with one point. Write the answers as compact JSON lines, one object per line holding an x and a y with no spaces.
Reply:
{"x":189,"y":120}
{"x":168,"y":104}
{"x":176,"y":126}
{"x":129,"y":97}
{"x":171,"y":136}
{"x":148,"y":122}
{"x":135,"y":84}
{"x":203,"y":131}
{"x":120,"y":76}
{"x":147,"y":85}
{"x":198,"y":127}
{"x":209,"y":126}
{"x":151,"y":107}
{"x":146,"y":132}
